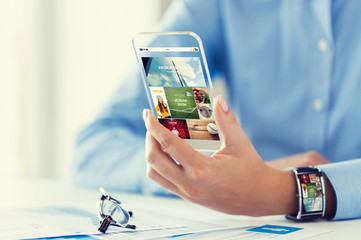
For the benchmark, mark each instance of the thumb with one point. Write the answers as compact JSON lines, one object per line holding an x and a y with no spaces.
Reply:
{"x":232,"y":132}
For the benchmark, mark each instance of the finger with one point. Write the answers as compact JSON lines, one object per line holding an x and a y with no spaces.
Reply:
{"x":159,"y":179}
{"x":175,"y":146}
{"x":162,"y":162}
{"x":232,"y":132}
{"x":156,"y":177}
{"x":163,"y":182}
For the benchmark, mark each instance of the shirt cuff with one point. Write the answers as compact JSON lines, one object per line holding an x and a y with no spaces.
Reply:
{"x":346,"y":182}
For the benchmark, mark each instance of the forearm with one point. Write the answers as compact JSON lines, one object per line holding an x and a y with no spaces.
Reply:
{"x":103,"y":157}
{"x":280,"y":192}
{"x":113,"y":158}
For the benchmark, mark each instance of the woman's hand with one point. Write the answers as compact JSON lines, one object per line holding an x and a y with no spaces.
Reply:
{"x":234,"y":180}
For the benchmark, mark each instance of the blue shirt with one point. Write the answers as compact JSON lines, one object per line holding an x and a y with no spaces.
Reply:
{"x":293,"y":71}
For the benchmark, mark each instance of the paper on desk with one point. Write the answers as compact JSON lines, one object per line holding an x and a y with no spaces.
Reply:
{"x":70,"y":221}
{"x":258,"y":231}
{"x":180,"y":226}
{"x":254,"y":230}
{"x":63,"y":221}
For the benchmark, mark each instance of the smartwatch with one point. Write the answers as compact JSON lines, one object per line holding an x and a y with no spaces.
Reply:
{"x":311,"y":194}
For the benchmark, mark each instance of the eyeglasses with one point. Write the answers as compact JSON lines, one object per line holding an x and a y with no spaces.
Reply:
{"x":110,"y":212}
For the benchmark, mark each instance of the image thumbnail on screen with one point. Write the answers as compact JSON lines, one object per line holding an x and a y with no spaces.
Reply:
{"x":160,"y":102}
{"x":176,"y":126}
{"x":181,"y":102}
{"x":174,"y":71}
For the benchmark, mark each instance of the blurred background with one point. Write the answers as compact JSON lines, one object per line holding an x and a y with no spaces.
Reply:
{"x":60,"y":61}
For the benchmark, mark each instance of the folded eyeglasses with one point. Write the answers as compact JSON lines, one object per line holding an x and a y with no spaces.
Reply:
{"x":110,"y":212}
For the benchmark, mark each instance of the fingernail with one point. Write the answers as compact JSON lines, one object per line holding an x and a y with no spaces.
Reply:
{"x":223,"y":104}
{"x":145,"y":114}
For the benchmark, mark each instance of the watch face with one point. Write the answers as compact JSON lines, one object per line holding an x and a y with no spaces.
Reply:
{"x":311,"y":192}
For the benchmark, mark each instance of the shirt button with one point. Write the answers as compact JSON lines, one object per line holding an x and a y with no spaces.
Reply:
{"x":322,"y":45}
{"x":317,"y":105}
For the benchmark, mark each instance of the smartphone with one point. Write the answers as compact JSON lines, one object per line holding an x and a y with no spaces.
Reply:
{"x":178,"y":85}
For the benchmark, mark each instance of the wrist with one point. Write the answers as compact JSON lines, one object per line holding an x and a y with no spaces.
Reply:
{"x":281,"y":192}
{"x":330,"y":198}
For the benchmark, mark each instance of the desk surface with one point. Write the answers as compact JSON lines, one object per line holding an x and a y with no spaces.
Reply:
{"x":42,"y":192}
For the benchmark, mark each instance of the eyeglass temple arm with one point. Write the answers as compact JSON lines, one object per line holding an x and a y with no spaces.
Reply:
{"x":102,"y":191}
{"x":131,"y":226}
{"x":105,"y":195}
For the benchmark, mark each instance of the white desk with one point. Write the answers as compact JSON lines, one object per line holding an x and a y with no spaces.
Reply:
{"x":36,"y":193}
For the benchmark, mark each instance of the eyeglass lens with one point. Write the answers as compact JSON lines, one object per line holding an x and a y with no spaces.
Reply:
{"x":118,"y":214}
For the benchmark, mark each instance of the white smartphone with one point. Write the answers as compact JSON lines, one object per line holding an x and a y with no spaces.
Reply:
{"x":178,"y":85}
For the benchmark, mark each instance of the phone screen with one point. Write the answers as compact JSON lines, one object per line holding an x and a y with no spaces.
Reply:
{"x":179,"y":88}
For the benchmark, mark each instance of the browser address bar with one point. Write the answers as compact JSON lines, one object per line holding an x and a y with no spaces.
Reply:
{"x":169,"y":49}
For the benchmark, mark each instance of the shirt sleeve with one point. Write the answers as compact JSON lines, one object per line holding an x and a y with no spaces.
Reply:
{"x":110,"y":151}
{"x":346,"y":182}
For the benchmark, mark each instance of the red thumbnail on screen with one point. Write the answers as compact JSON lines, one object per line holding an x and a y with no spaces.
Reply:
{"x":305,"y":178}
{"x":178,"y":127}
